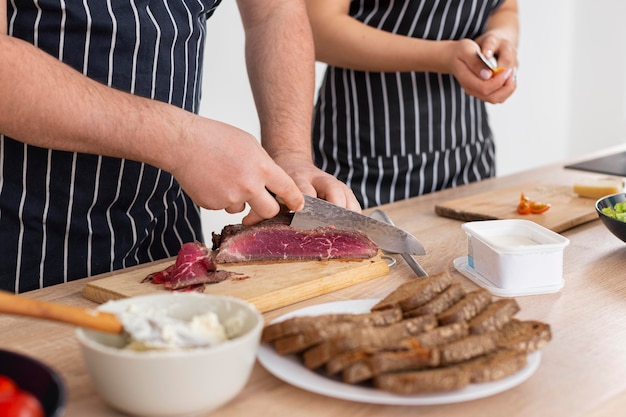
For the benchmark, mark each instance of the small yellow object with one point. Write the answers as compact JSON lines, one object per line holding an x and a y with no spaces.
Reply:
{"x":598,"y":187}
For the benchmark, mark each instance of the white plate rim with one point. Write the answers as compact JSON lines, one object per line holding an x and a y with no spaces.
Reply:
{"x":289,"y":369}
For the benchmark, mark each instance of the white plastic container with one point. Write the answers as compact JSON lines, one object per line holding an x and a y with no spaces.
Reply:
{"x":516,"y":257}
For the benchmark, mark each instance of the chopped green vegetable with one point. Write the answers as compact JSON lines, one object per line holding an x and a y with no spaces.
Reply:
{"x":617,"y":212}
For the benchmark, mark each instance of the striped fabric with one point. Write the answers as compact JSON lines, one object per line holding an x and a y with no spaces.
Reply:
{"x":64,"y":215}
{"x":391,"y":136}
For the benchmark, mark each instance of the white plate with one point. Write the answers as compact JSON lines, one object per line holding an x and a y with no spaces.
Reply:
{"x":290,"y":369}
{"x":463,"y":267}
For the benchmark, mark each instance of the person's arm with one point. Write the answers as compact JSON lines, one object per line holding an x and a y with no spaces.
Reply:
{"x":46,"y":103}
{"x":342,"y":41}
{"x":281,"y":68}
{"x":3,"y":17}
{"x":501,"y":36}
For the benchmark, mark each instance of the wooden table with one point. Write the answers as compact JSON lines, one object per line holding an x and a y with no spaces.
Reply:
{"x":582,"y":370}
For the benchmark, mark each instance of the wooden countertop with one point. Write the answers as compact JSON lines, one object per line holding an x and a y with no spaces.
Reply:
{"x":582,"y":370}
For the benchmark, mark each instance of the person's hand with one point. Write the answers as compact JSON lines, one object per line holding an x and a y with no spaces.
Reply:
{"x":492,"y":44}
{"x":313,"y":181}
{"x":223,"y":167}
{"x":475,"y":78}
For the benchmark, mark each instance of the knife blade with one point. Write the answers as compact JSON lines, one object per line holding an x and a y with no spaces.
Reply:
{"x":491,"y":63}
{"x":321,"y":213}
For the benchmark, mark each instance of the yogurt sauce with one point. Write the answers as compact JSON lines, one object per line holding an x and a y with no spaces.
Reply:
{"x":153,"y":329}
{"x":512,"y":241}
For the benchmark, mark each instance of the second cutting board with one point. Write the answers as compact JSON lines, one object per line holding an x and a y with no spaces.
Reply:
{"x":266,"y":285}
{"x":567,"y":211}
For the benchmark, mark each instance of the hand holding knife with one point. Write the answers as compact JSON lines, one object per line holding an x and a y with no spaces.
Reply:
{"x":491,"y":63}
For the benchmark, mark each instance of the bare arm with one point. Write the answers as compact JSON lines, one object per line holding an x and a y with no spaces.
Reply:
{"x":502,"y":34}
{"x":3,"y":17}
{"x":341,"y":40}
{"x":280,"y":59}
{"x":46,"y":103}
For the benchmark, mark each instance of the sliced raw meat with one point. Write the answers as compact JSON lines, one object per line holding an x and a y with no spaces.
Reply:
{"x":194,"y":266}
{"x":207,"y":277}
{"x":274,"y":241}
{"x":160,"y":277}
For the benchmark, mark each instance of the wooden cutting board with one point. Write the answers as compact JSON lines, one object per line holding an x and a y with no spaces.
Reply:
{"x":266,"y":285}
{"x":568,"y":210}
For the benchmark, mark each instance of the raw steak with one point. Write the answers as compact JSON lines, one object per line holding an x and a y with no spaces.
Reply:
{"x":273,"y":241}
{"x":194,"y":267}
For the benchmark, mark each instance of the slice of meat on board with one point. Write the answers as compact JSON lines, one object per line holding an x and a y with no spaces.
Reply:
{"x":193,"y":268}
{"x":280,"y":242}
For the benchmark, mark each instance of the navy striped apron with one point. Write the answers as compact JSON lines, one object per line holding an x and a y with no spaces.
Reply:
{"x":65,"y":215}
{"x":391,"y":136}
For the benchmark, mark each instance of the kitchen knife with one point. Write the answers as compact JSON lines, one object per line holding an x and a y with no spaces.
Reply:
{"x":491,"y":63}
{"x":320,"y":213}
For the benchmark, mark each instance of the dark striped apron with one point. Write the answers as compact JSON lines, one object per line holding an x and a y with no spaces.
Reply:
{"x":391,"y":136}
{"x":65,"y":215}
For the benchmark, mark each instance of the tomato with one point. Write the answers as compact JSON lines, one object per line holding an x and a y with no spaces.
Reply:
{"x":7,"y":387}
{"x":15,"y":402}
{"x":21,"y":404}
{"x":527,"y":206}
{"x":538,"y":208}
{"x":523,"y":207}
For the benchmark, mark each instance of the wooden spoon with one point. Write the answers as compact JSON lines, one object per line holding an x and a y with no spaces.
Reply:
{"x":82,"y":317}
{"x":141,"y":328}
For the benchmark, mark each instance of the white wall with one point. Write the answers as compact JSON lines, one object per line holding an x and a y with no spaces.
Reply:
{"x":571,"y":85}
{"x":531,"y":127}
{"x":598,"y":82}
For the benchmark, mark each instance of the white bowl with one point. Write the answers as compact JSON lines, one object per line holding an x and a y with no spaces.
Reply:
{"x":174,"y":382}
{"x":516,"y":255}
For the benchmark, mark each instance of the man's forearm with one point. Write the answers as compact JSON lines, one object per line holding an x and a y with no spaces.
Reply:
{"x":281,"y":68}
{"x":3,"y":17}
{"x":48,"y":104}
